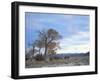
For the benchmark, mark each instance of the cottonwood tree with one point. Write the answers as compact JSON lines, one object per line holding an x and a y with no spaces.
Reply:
{"x":48,"y":38}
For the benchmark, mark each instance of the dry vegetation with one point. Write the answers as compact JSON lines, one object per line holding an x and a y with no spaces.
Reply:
{"x":55,"y":62}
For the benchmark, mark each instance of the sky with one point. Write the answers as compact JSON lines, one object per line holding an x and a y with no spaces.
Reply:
{"x":74,"y":30}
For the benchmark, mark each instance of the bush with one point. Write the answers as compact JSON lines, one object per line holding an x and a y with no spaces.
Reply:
{"x":39,"y":57}
{"x":66,"y":57}
{"x":57,"y":58}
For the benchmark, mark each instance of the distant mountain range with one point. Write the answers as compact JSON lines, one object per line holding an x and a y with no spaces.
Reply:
{"x":69,"y":55}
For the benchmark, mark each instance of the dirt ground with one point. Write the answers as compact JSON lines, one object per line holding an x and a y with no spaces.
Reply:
{"x":71,"y":61}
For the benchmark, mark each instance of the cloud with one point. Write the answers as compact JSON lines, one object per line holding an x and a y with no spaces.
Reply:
{"x":78,"y":42}
{"x":79,"y":37}
{"x":74,"y":49}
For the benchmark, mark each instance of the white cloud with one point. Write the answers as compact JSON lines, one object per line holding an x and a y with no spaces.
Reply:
{"x":74,"y":49}
{"x":76,"y":43}
{"x":79,"y":37}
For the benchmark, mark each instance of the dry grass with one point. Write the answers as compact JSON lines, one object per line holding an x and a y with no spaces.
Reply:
{"x":72,"y":61}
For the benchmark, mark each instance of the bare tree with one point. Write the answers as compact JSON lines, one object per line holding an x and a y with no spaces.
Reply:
{"x":39,"y":45}
{"x":33,"y":47}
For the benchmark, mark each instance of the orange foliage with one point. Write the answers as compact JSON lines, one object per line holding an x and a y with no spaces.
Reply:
{"x":52,"y":45}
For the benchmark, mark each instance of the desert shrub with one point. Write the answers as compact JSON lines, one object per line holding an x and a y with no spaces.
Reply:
{"x":57,"y":58}
{"x":39,"y":57}
{"x":51,"y":59}
{"x":66,"y":57}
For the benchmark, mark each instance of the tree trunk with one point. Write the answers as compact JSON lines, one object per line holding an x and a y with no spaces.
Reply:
{"x":45,"y":53}
{"x":46,"y":49}
{"x":39,"y":50}
{"x":33,"y":50}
